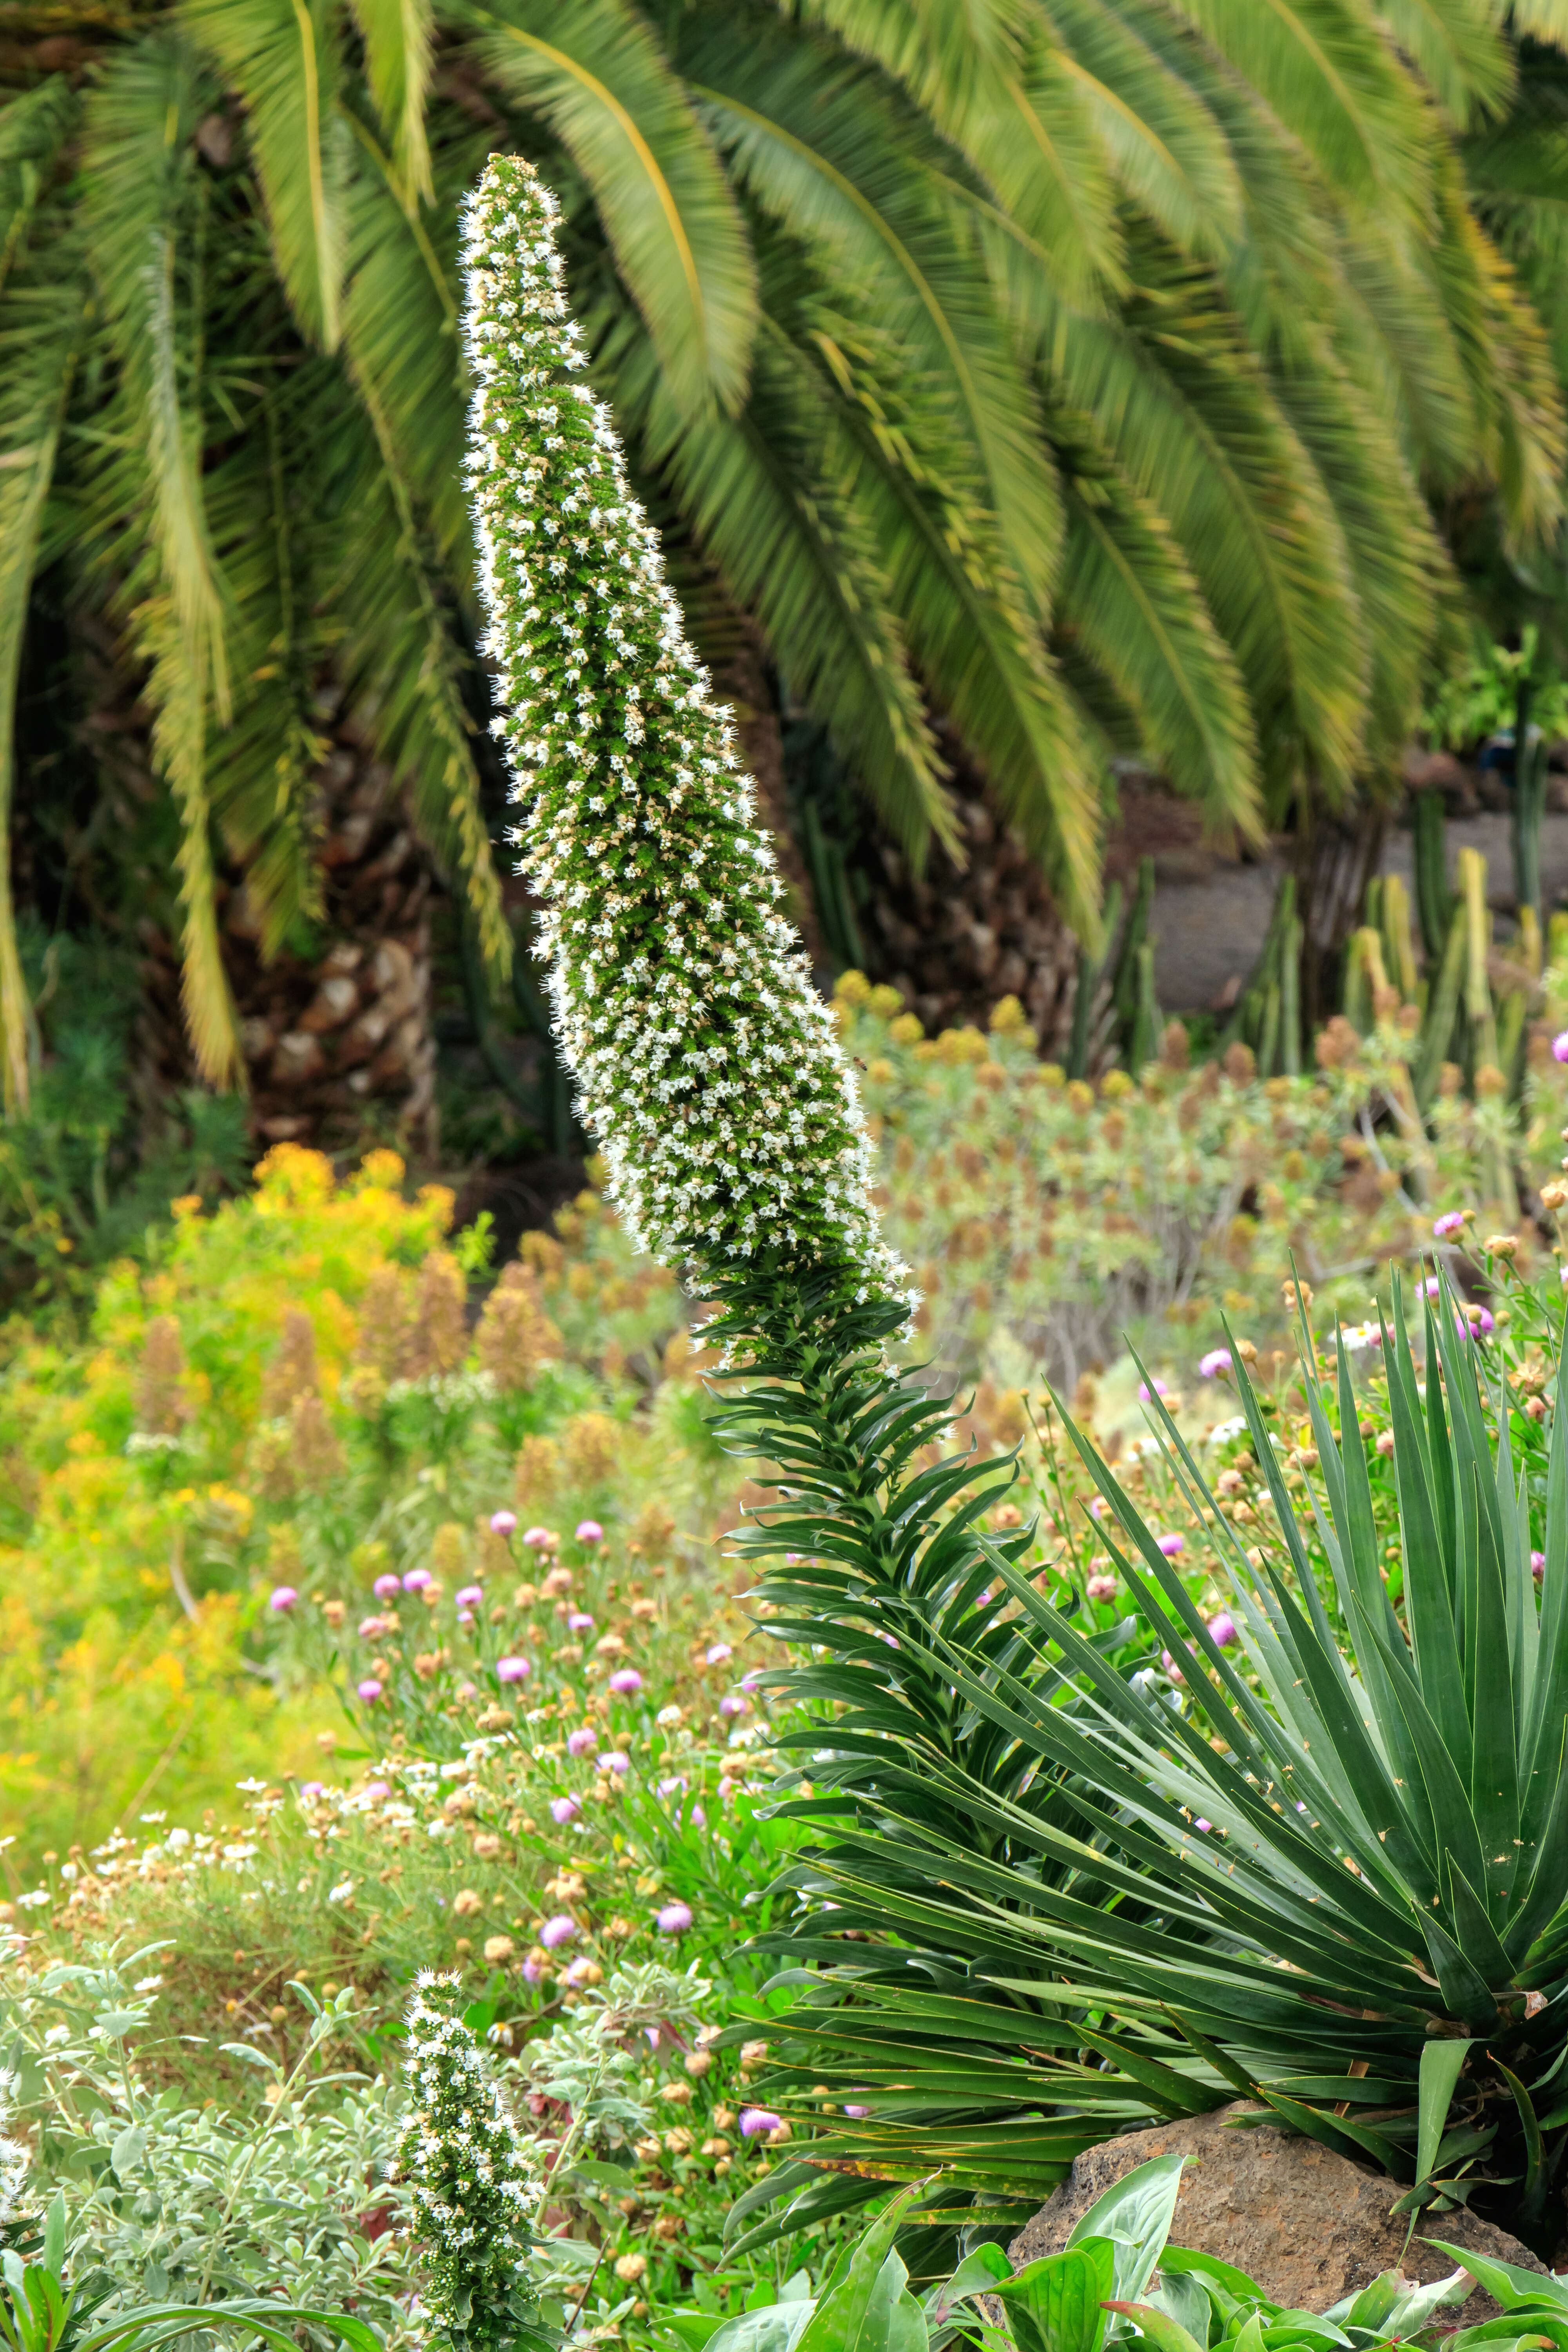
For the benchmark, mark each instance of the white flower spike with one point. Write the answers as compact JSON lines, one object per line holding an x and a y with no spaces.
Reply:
{"x":707,"y":1065}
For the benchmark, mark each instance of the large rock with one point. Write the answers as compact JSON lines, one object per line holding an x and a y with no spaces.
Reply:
{"x":1306,"y":2224}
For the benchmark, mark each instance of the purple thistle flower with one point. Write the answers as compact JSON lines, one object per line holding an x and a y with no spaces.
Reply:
{"x":589,"y":1531}
{"x":469,"y":1597}
{"x":757,"y":2120}
{"x":1216,"y":1364}
{"x":625,"y":1681}
{"x":1221,"y":1629}
{"x":674,"y":1919}
{"x":559,"y":1930}
{"x":283,"y":1599}
{"x":512,"y":1670}
{"x":1452,"y":1220}
{"x":1172,"y":1545}
{"x":503,"y":1522}
{"x":563,"y":1809}
{"x":582,"y":1742}
{"x":369,"y":1690}
{"x":387,"y":1588}
{"x":418,"y":1579}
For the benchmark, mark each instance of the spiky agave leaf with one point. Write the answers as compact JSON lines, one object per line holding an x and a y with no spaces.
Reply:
{"x":1348,"y":1841}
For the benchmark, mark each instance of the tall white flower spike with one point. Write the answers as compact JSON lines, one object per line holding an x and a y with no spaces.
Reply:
{"x":706,"y":1066}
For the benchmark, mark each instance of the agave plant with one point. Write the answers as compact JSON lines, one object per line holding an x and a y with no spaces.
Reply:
{"x":1326,"y":1872}
{"x":1084,"y":367}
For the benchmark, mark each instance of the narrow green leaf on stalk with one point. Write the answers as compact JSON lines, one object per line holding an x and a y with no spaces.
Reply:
{"x":1442,"y":2063}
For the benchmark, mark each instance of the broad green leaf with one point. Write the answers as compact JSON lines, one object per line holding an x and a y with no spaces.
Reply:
{"x":1136,"y":2214}
{"x":1059,"y":2303}
{"x":1158,"y":2327}
{"x":398,"y":44}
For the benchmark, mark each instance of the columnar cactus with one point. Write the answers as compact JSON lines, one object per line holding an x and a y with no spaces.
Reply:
{"x":708,"y":1068}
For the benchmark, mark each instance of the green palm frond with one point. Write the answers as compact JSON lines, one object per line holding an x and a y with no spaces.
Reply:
{"x":1169,"y":154}
{"x":138,"y":211}
{"x":595,"y":75}
{"x":769,"y":496}
{"x":33,"y":129}
{"x":397,"y":44}
{"x":1459,"y":49}
{"x":41,"y":329}
{"x":283,"y":58}
{"x":1131,"y":603}
{"x":401,"y":666}
{"x":1341,"y":93}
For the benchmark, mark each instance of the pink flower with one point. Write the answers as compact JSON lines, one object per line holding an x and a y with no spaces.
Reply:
{"x":470,"y":1596}
{"x":536,"y":1539}
{"x":1201,"y":1824}
{"x":283,"y":1599}
{"x":757,"y":2120}
{"x":1216,"y":1364}
{"x":311,"y":1788}
{"x":1101,"y":1588}
{"x":589,"y":1531}
{"x":1538,"y":1563}
{"x":387,"y":1588}
{"x":557,"y":1931}
{"x":855,"y":2112}
{"x":1451,"y":1221}
{"x":1172,"y":1545}
{"x":418,"y":1579}
{"x":1560,"y":1047}
{"x":581,"y":1743}
{"x":1097,"y":1507}
{"x":371,"y":1629}
{"x":674,"y":1919}
{"x":667,"y":1788}
{"x":1170,"y":1667}
{"x":717,"y":1654}
{"x":578,"y":1623}
{"x":503,"y":1522}
{"x":563,"y":1809}
{"x":1221,"y":1629}
{"x":369,"y":1690}
{"x":733,"y":1704}
{"x":378,"y":1791}
{"x":698,"y":1818}
{"x":617,"y":1761}
{"x":1159,"y":1390}
{"x":531,"y":1971}
{"x":512,"y":1670}
{"x":625,"y":1681}
{"x":1433,"y":1286}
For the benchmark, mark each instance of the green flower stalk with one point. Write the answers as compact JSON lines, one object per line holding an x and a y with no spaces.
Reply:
{"x":707,"y":1065}
{"x":472,"y":2182}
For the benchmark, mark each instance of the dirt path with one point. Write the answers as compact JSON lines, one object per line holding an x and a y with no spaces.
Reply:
{"x":1208,"y":929}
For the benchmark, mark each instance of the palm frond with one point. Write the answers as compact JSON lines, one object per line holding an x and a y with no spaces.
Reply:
{"x":283,"y":58}
{"x":1330,"y":79}
{"x":1457,"y":47}
{"x":397,"y":47}
{"x":596,"y":76}
{"x":41,"y":329}
{"x":767,"y":498}
{"x":33,"y":129}
{"x":400,"y":664}
{"x":1167,"y":151}
{"x":830,"y":162}
{"x":1130,"y":601}
{"x":137,"y":172}
{"x":401,"y":342}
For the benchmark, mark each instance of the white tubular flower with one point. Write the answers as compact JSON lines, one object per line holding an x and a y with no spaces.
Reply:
{"x":707,"y":1065}
{"x":471,"y":2179}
